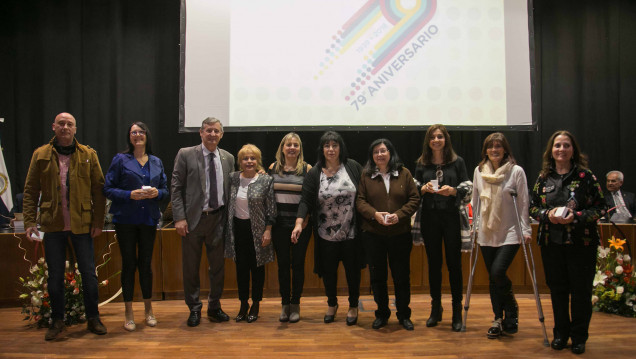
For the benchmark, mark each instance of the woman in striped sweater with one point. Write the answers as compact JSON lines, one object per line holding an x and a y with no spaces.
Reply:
{"x":289,"y":171}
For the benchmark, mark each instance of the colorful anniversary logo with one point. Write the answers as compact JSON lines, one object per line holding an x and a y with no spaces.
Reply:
{"x":405,"y":34}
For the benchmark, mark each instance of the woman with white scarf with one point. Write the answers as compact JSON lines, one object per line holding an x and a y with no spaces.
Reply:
{"x":495,"y":178}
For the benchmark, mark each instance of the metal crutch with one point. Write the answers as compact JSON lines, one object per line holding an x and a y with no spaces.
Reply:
{"x":531,"y":271}
{"x":475,"y":250}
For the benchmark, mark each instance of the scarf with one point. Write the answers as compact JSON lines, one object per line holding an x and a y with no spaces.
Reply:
{"x":491,"y":196}
{"x":64,"y":150}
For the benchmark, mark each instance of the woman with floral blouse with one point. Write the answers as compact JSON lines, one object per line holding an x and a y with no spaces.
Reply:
{"x":329,"y":195}
{"x":567,"y":200}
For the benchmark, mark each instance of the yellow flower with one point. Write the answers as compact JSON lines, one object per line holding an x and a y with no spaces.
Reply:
{"x":617,"y":243}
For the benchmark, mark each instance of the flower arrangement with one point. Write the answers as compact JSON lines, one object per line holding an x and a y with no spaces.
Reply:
{"x":615,"y":281}
{"x":37,"y":304}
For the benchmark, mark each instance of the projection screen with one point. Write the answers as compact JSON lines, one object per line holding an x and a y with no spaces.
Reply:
{"x":357,"y":64}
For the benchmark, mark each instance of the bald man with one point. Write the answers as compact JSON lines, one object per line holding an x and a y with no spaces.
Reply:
{"x":65,"y":182}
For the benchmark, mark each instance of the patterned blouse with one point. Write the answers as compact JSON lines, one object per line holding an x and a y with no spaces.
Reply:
{"x":578,"y":190}
{"x":262,"y":211}
{"x":337,"y":196}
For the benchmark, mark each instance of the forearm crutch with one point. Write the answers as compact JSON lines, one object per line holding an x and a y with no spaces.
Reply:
{"x":531,"y":271}
{"x":474,"y":256}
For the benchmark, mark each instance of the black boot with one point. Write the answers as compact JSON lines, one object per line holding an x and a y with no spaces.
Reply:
{"x":457,"y":317}
{"x":242,"y":314}
{"x":510,"y":323}
{"x":436,"y":313}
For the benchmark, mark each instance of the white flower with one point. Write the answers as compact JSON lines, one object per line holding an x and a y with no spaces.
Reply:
{"x":46,"y":273}
{"x":36,"y":301}
{"x":594,"y":299}
{"x":67,"y":264}
{"x":599,"y":278}
{"x":33,"y":269}
{"x":620,"y":290}
{"x":41,"y":260}
{"x":619,"y":269}
{"x":602,"y":252}
{"x":627,"y":258}
{"x":630,"y":300}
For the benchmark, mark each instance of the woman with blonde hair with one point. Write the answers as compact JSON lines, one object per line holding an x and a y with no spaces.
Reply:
{"x":289,"y":172}
{"x":251,"y":214}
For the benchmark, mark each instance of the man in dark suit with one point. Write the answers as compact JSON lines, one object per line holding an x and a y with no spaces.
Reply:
{"x":621,"y":204}
{"x":200,"y":188}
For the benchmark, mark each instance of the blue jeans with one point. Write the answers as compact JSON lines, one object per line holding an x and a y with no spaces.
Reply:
{"x":55,"y":255}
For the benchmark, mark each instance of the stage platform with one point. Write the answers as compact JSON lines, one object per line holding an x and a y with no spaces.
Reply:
{"x":611,"y":336}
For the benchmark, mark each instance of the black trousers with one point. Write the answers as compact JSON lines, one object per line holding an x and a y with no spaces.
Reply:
{"x":398,"y":251}
{"x":291,"y":262}
{"x":246,"y":262}
{"x":136,"y":243}
{"x":569,"y":272}
{"x":331,"y":254}
{"x":441,"y":229}
{"x":498,"y":260}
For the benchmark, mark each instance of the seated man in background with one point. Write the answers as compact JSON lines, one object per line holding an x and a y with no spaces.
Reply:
{"x":621,"y":204}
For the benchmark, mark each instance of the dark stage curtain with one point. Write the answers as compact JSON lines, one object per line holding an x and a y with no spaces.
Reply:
{"x":114,"y":62}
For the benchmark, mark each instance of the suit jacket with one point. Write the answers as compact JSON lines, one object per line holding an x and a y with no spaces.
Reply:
{"x":628,"y":198}
{"x":124,"y":175}
{"x":188,"y":184}
{"x":87,"y":204}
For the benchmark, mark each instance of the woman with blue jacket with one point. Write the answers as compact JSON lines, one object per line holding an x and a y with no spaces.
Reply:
{"x":135,"y":183}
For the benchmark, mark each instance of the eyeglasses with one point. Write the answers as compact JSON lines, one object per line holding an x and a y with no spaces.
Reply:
{"x":382,"y":151}
{"x":138,"y":133}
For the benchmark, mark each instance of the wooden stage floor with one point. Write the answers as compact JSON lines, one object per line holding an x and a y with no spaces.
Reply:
{"x":610,"y":336}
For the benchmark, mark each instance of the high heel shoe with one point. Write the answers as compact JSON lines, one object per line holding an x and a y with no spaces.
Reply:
{"x":330,"y":316}
{"x":253,"y":312}
{"x":151,"y":321}
{"x":129,"y":323}
{"x":130,"y":326}
{"x":352,"y":316}
{"x":242,"y":314}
